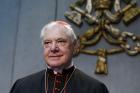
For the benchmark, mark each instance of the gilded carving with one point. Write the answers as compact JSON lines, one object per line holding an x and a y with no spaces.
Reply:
{"x":102,"y":14}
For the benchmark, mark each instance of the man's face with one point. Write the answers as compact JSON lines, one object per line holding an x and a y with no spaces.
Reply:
{"x":58,"y":49}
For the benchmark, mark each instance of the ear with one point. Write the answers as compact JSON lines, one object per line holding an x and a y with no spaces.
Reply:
{"x":76,"y":47}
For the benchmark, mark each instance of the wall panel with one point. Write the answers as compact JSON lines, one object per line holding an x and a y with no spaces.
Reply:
{"x":34,"y":15}
{"x":9,"y":11}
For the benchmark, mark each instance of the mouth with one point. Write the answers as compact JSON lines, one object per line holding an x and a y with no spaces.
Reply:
{"x":55,"y":56}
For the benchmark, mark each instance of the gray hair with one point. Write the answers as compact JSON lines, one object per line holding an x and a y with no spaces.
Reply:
{"x":66,"y":28}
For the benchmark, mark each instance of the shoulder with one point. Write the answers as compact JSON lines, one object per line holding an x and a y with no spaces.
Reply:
{"x":27,"y":82}
{"x":90,"y":82}
{"x":33,"y":77}
{"x":81,"y":75}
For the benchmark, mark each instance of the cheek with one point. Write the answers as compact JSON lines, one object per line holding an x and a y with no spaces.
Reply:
{"x":68,"y":51}
{"x":45,"y":53}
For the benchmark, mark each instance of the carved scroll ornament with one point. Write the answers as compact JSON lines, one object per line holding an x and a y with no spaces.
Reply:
{"x":105,"y":14}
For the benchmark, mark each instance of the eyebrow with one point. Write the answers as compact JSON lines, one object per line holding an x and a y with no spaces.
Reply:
{"x":61,"y":39}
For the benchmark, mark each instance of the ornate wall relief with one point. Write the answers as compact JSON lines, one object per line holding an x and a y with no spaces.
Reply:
{"x":103,"y":14}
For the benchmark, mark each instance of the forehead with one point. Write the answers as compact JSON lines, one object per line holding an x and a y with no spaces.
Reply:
{"x":55,"y":33}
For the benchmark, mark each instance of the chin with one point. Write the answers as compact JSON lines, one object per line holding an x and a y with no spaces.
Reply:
{"x":55,"y":65}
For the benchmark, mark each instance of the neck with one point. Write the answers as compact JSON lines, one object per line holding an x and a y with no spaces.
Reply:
{"x":60,"y":69}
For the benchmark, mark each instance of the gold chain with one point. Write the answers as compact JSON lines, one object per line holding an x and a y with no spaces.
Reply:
{"x":46,"y":81}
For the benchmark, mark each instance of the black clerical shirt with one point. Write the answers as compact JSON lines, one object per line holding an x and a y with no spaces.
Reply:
{"x":56,"y":83}
{"x":78,"y":83}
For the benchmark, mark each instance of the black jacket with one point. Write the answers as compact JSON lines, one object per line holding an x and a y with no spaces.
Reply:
{"x":79,"y":83}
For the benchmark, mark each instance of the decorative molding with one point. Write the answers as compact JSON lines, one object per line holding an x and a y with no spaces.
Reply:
{"x":102,"y":14}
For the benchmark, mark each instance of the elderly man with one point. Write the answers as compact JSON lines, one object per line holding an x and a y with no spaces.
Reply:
{"x":60,"y":76}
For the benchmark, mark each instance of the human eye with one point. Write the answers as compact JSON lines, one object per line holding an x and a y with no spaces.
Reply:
{"x":61,"y":42}
{"x":47,"y":43}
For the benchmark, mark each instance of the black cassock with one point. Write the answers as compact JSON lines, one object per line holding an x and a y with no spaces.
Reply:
{"x":70,"y":81}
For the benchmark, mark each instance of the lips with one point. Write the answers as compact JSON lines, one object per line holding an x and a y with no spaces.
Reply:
{"x":55,"y":56}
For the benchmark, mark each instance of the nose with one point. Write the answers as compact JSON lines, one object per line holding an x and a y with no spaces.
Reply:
{"x":54,"y":47}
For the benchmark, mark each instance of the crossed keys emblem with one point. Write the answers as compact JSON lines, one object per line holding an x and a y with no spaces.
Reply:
{"x":102,"y":14}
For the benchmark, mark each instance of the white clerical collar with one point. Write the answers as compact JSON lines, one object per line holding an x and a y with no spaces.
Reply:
{"x":60,"y":70}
